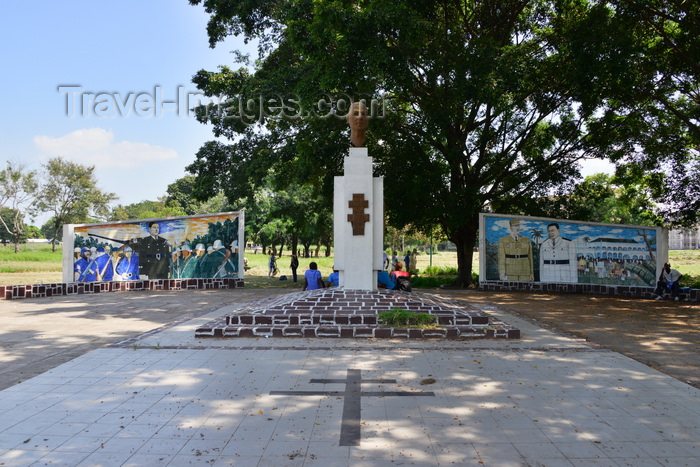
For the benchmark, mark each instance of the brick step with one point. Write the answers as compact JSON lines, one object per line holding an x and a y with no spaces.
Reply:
{"x":357,"y":331}
{"x":445,"y":319}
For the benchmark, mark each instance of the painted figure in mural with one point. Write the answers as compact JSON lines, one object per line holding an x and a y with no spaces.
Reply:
{"x":128,"y":266}
{"x":218,"y":261}
{"x":105,"y":272}
{"x":558,"y":260}
{"x":200,"y":254}
{"x":358,"y":120}
{"x":515,"y":256}
{"x":154,"y":254}
{"x":175,"y":263}
{"x":85,"y":269}
{"x":232,"y":259}
{"x":188,"y":263}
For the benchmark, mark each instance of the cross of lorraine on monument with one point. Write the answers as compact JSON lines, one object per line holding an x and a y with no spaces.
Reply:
{"x":358,"y":218}
{"x":358,"y":235}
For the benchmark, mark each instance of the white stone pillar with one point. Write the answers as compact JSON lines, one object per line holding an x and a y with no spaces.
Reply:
{"x":358,"y":223}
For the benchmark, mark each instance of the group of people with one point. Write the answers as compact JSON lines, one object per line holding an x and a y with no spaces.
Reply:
{"x":313,"y":278}
{"x":605,"y":268}
{"x":409,"y":264}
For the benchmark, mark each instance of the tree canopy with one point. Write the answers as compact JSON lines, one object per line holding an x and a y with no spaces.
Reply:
{"x":71,"y":194}
{"x":485,"y":104}
{"x":18,"y":190}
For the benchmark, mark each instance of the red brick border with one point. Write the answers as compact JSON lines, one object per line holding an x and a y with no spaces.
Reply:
{"x":12,"y":292}
{"x":588,"y":289}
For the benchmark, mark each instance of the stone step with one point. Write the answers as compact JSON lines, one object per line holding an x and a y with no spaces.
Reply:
{"x":445,"y":319}
{"x":357,"y":331}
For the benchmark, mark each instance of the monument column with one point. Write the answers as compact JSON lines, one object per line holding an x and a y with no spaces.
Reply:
{"x":358,"y":213}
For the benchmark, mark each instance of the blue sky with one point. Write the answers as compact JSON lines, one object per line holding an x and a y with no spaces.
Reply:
{"x":115,"y":48}
{"x":122,"y":47}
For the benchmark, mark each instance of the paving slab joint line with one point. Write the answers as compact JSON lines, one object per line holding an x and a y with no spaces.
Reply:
{"x":363,"y":348}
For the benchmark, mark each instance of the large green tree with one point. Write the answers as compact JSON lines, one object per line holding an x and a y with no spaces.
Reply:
{"x":18,"y":193}
{"x":70,"y":193}
{"x":601,"y":198}
{"x":489,"y":103}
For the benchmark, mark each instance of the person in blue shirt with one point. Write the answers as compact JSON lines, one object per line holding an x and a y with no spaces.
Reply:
{"x":384,"y":281}
{"x":312,"y":278}
{"x":334,"y":279}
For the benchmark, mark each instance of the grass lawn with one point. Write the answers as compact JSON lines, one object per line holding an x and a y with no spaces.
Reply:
{"x":36,"y":263}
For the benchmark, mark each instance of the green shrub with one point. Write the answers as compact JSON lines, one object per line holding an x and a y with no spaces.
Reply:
{"x":430,"y":282}
{"x":440,"y":271}
{"x":690,"y":281}
{"x":403,"y":318}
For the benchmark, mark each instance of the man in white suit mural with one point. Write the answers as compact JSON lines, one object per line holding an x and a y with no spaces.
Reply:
{"x":557,"y":258}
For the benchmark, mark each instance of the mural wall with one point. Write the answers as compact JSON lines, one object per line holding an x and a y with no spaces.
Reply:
{"x":171,"y":248}
{"x":529,"y":249}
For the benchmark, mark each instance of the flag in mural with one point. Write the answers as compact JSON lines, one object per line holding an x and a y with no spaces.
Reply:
{"x":540,"y":250}
{"x":173,"y":248}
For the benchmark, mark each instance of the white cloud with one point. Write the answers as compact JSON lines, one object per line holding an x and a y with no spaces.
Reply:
{"x":96,"y":146}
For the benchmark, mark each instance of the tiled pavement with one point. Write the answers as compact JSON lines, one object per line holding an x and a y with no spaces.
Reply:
{"x":168,"y":398}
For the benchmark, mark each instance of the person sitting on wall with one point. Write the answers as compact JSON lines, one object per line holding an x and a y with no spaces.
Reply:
{"x":668,"y":282}
{"x":312,"y":278}
{"x":399,"y":272}
{"x":334,"y":279}
{"x":384,"y":281}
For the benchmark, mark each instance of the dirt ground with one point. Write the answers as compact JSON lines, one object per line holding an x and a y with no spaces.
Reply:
{"x":39,"y":334}
{"x":664,"y":335}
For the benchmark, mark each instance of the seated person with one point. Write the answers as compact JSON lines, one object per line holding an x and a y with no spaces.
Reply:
{"x":312,"y":278}
{"x":384,"y":281}
{"x":399,"y":272}
{"x":334,"y":279}
{"x":668,"y":282}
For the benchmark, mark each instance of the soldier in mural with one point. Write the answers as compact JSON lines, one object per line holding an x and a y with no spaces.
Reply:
{"x":85,"y":269}
{"x":154,"y":254}
{"x":128,"y":266}
{"x":175,"y":263}
{"x":558,"y":260}
{"x":200,"y":254}
{"x":105,"y":272}
{"x":188,"y":264}
{"x":232,"y":261}
{"x":215,"y":265}
{"x":515,"y":256}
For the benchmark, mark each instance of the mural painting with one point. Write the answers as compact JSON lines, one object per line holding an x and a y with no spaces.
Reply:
{"x":531,"y":249}
{"x":173,"y":248}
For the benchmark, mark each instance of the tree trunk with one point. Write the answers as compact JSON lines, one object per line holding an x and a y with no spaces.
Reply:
{"x":294,"y":244}
{"x":55,"y":234}
{"x":465,"y":239}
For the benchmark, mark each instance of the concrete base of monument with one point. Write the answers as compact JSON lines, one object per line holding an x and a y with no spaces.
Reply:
{"x":339,"y":313}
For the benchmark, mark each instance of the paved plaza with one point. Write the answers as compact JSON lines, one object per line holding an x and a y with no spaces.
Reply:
{"x":167,"y":398}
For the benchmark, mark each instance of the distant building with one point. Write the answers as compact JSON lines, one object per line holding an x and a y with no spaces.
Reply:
{"x":684,"y":239}
{"x":614,"y":248}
